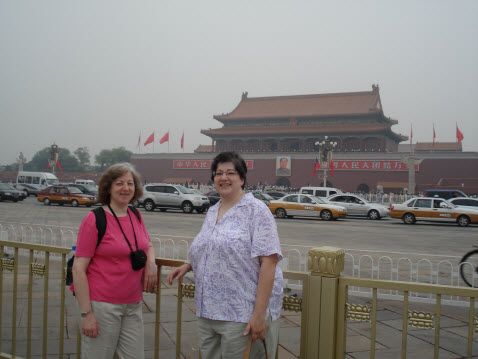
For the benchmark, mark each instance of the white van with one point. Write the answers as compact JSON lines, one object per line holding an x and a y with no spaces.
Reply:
{"x":39,"y":180}
{"x":85,"y":181}
{"x":320,"y":191}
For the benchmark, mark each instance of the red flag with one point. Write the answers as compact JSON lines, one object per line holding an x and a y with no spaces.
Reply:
{"x":434,"y":135}
{"x":58,"y":165}
{"x":150,"y":139}
{"x":316,"y":167}
{"x":331,"y":167}
{"x":48,"y":165}
{"x":182,"y":141}
{"x":459,"y":135}
{"x":165,"y":138}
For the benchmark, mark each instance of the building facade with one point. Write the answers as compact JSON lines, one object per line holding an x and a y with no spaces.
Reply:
{"x":277,"y":136}
{"x":355,"y":120}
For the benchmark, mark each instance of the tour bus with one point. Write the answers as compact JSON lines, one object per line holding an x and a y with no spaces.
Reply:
{"x":39,"y":180}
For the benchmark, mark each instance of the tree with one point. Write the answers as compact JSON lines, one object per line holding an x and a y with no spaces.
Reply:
{"x":109,"y":157}
{"x":39,"y":161}
{"x":83,"y":155}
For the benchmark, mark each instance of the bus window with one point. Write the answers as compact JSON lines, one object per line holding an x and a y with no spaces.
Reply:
{"x":36,"y":180}
{"x":28,"y":179}
{"x":21,"y":179}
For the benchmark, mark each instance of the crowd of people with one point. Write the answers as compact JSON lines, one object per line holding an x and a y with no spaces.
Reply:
{"x":234,"y":259}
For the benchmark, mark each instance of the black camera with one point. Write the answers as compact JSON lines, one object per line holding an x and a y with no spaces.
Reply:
{"x":138,"y":259}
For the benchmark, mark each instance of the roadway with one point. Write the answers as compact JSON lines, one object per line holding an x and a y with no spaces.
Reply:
{"x":386,"y":235}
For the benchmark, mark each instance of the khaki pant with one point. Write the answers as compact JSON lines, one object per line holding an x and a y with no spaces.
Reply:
{"x":121,"y":332}
{"x":220,"y":339}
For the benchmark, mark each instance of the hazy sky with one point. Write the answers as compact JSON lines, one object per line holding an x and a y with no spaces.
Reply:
{"x":96,"y":73}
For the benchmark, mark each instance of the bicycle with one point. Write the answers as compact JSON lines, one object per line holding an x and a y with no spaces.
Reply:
{"x":469,"y":268}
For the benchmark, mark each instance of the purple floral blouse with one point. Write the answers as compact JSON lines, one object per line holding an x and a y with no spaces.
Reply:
{"x":225,"y":260}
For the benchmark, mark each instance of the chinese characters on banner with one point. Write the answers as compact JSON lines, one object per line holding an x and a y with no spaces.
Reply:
{"x":201,"y":164}
{"x":339,"y":165}
{"x":371,"y":165}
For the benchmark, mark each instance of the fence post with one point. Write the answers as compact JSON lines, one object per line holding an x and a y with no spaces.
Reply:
{"x":325,"y":265}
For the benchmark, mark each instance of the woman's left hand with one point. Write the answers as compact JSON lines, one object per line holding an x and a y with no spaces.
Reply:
{"x":150,"y":281}
{"x":257,"y":326}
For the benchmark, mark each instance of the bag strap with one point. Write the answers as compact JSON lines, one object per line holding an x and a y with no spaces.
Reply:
{"x":136,"y":212}
{"x":100,"y":217}
{"x":247,"y":350}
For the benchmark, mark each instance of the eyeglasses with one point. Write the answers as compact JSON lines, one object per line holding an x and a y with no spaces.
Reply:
{"x":230,"y":173}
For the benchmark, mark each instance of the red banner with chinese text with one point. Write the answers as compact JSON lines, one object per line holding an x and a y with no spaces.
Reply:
{"x":201,"y":164}
{"x":371,"y":165}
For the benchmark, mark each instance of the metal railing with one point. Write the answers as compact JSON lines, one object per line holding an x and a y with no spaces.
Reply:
{"x":25,"y":262}
{"x":32,"y":276}
{"x":408,"y":267}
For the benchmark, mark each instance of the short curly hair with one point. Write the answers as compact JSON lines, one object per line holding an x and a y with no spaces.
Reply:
{"x":114,"y":172}
{"x":237,"y":161}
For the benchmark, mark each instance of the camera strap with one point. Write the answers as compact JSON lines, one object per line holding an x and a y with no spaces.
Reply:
{"x":122,"y":231}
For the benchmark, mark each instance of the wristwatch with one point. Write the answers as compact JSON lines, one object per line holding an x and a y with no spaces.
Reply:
{"x":84,"y":314}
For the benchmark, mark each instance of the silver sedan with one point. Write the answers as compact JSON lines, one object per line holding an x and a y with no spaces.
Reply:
{"x":357,"y":206}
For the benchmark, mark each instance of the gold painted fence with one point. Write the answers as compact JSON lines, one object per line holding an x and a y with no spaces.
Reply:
{"x":33,"y":292}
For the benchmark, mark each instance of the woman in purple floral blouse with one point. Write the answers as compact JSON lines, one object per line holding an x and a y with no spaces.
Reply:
{"x":234,"y":259}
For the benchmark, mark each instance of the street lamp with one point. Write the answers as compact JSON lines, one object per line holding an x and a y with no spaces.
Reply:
{"x":326,"y":147}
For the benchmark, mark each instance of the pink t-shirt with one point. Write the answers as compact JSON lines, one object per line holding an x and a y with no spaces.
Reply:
{"x":111,"y":278}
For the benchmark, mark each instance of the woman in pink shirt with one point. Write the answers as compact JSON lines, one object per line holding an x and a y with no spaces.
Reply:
{"x":109,"y":279}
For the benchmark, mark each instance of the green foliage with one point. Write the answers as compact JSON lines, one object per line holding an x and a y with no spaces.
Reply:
{"x":83,"y":155}
{"x":39,"y":161}
{"x":109,"y":157}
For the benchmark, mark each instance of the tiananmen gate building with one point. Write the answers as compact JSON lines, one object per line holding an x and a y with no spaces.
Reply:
{"x":368,"y":153}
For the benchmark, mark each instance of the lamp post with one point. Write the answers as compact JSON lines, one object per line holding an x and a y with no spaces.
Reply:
{"x":326,"y":147}
{"x":54,"y":151}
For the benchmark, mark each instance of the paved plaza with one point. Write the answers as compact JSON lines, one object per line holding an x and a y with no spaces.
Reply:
{"x":376,"y":235}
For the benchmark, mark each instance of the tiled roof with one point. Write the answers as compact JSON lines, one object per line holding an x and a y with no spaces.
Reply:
{"x":329,"y":129}
{"x":332,"y":104}
{"x":438,"y":146}
{"x":203,"y":149}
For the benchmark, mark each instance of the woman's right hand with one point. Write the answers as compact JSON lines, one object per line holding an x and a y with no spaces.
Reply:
{"x":179,"y":272}
{"x":89,"y":326}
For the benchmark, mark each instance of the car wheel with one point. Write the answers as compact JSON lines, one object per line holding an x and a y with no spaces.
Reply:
{"x":463,"y":221}
{"x":74,"y":203}
{"x":409,"y":218}
{"x":15,"y":200}
{"x":187,"y":207}
{"x":27,"y":193}
{"x":326,"y":215}
{"x":46,"y":202}
{"x":373,"y":214}
{"x":149,"y":205}
{"x":281,"y":213}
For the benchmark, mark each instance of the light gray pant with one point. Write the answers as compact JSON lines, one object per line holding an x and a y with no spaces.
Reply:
{"x":121,"y":332}
{"x":220,"y":339}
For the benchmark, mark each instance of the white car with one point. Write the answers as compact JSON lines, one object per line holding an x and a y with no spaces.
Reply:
{"x":467,"y":202}
{"x":357,"y":206}
{"x":165,"y":196}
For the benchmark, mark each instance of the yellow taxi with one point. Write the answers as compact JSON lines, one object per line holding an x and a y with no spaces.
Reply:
{"x":302,"y":205}
{"x":62,"y":194}
{"x":433,"y":209}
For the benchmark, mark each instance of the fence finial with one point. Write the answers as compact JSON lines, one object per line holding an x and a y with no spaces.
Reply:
{"x":326,"y":261}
